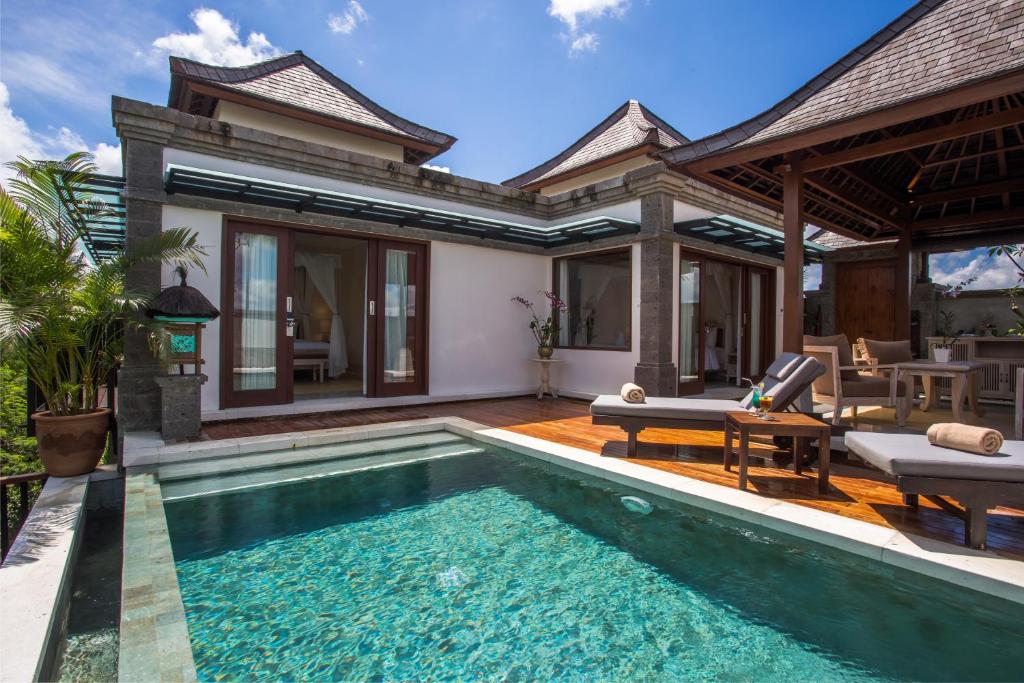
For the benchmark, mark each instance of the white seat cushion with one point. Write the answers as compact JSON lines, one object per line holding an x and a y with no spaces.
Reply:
{"x":668,"y":408}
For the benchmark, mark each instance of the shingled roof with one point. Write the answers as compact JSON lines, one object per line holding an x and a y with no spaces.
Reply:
{"x":630,"y":130}
{"x":296,"y":83}
{"x":934,"y":46}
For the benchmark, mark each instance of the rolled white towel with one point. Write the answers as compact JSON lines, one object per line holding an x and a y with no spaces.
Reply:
{"x":631,"y":393}
{"x":961,"y":437}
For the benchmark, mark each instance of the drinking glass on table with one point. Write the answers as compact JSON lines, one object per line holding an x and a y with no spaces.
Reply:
{"x":766,"y":406}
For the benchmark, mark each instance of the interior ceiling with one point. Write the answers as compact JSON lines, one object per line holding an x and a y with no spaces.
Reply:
{"x":957,"y":185}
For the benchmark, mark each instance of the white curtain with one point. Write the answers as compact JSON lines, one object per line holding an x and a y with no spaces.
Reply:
{"x":689,"y":302}
{"x":591,"y":291}
{"x":322,"y":271}
{"x":397,"y":358}
{"x":304,"y":302}
{"x":256,"y":358}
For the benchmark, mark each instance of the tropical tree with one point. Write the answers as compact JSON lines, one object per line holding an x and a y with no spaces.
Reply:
{"x":1015,"y":253}
{"x":64,"y":317}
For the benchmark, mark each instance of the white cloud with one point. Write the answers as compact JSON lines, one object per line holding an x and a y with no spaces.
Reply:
{"x":217,"y":42}
{"x":40,"y":75}
{"x":992,"y":272}
{"x":585,"y":43}
{"x":575,"y":13}
{"x":347,"y":21}
{"x":439,"y":169}
{"x":17,"y":139}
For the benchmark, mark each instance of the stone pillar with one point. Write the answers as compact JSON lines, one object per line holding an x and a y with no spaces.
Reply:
{"x":180,"y":407}
{"x":138,"y":396}
{"x":655,"y":371}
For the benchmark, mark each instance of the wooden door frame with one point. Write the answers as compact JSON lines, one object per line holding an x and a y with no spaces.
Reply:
{"x":283,"y":393}
{"x":375,"y":385}
{"x":286,"y":288}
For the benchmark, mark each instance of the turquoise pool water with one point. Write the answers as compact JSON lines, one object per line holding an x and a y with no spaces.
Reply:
{"x":496,"y":566}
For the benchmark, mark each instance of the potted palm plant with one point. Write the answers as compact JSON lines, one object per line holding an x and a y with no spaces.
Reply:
{"x":63,"y":316}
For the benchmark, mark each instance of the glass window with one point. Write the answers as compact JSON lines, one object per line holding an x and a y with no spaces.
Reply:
{"x":597,"y":290}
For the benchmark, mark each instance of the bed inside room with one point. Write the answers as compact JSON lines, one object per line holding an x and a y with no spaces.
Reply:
{"x":329,"y":306}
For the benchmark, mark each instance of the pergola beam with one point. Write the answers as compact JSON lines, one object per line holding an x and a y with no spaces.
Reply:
{"x":969,"y":191}
{"x":815,"y":180}
{"x":921,"y":138}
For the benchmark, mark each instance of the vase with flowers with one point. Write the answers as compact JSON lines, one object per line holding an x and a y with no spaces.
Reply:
{"x":545,"y":330}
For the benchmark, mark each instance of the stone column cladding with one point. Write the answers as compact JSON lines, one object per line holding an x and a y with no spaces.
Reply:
{"x":138,"y":396}
{"x":655,"y":371}
{"x":180,"y":404}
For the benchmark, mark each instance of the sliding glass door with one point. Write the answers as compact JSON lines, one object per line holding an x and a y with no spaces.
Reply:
{"x":691,"y":341}
{"x":398,"y":319}
{"x":725,"y":323}
{"x":255,"y":352}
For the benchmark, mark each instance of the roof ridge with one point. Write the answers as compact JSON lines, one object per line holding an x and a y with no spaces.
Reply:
{"x":629,"y":110}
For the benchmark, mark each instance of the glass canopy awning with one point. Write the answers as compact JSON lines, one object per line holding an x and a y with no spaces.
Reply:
{"x":203,"y":183}
{"x":103,"y":234}
{"x":744,"y":235}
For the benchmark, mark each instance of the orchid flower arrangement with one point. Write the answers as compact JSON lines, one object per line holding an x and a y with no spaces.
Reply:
{"x":545,"y":330}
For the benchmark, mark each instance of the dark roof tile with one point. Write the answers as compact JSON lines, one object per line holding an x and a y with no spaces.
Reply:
{"x":299,"y":82}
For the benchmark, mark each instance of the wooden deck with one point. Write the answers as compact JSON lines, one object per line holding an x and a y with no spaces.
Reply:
{"x":857,"y":491}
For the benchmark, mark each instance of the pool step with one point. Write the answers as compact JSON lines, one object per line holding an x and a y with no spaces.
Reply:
{"x":185,"y":480}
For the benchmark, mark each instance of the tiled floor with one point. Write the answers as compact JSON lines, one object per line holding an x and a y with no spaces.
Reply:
{"x":857,"y":491}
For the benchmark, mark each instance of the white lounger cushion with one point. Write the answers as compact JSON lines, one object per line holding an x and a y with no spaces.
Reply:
{"x":668,"y":408}
{"x":910,"y":455}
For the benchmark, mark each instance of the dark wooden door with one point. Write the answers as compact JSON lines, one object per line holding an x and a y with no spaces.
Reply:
{"x":397,"y":310}
{"x":865,"y":294}
{"x":256,"y":353}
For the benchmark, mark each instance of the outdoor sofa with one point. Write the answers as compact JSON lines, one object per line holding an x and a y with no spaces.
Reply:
{"x":785,"y":380}
{"x":978,"y":482}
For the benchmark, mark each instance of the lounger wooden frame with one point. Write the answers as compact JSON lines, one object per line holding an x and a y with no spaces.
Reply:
{"x":977,"y":496}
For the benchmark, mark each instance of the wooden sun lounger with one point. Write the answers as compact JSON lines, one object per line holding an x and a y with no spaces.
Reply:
{"x":978,"y":482}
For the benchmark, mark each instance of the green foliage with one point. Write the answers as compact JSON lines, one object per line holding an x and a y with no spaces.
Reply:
{"x":1015,"y":253}
{"x":17,"y":449}
{"x":61,"y":317}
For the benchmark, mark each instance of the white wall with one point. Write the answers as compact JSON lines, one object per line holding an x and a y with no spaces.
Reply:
{"x":208,"y":226}
{"x":600,"y":175}
{"x":479,"y":339}
{"x":287,"y":126}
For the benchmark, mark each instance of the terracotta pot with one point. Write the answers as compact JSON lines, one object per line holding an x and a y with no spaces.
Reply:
{"x":73,"y":444}
{"x":545,"y":351}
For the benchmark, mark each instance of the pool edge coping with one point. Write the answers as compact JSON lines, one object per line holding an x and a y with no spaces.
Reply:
{"x":154,"y":575}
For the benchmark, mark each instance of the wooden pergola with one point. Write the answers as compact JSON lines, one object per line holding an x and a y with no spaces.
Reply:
{"x":917,"y":135}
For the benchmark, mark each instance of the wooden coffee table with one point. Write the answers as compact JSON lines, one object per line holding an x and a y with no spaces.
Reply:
{"x":802,"y":428}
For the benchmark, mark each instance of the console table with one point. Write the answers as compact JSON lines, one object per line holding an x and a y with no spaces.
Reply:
{"x":1001,"y":356}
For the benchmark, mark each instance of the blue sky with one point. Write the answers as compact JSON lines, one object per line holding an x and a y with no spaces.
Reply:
{"x":515,"y":81}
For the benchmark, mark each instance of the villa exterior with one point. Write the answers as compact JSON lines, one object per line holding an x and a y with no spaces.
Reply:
{"x":331,"y":252}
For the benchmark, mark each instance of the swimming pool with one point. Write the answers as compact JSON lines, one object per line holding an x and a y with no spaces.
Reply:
{"x":488,"y":564}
